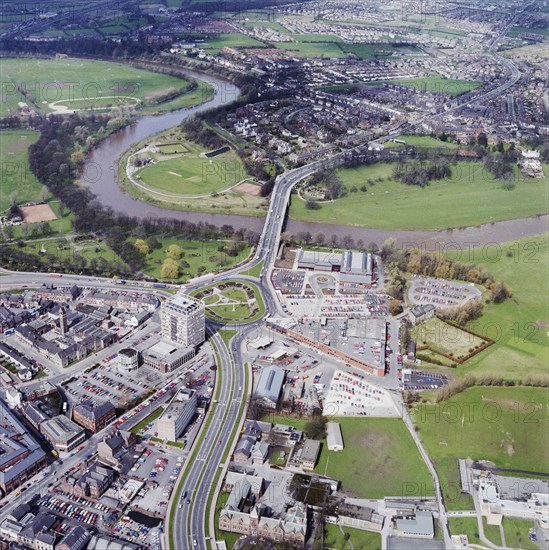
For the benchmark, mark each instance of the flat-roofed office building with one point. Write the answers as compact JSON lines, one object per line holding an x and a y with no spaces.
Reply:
{"x":178,"y":415}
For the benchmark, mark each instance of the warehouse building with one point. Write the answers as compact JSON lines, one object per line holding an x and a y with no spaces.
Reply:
{"x":62,"y":433}
{"x":178,"y":415}
{"x":356,"y":269}
{"x":21,"y":457}
{"x":422,"y":526}
{"x":270,"y":385}
{"x":335,"y":439}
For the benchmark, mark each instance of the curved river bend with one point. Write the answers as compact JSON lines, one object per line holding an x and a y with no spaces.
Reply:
{"x":100,"y":169}
{"x":100,"y":175}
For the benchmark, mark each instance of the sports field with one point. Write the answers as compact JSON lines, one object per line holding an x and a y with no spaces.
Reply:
{"x":81,"y":83}
{"x":15,"y":174}
{"x":520,"y":324}
{"x":373,"y":445}
{"x":439,"y":85}
{"x":388,"y":204}
{"x":207,"y":180}
{"x":190,"y":172}
{"x":506,"y":425}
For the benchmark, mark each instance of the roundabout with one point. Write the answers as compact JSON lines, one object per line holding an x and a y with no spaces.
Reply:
{"x":232,"y":301}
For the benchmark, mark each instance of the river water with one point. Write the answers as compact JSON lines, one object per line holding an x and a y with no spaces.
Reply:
{"x":100,"y":175}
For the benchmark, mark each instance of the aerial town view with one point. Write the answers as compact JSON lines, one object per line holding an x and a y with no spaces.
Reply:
{"x":274,"y":275}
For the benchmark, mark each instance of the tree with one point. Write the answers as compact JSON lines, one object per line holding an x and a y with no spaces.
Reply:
{"x":395,"y":307}
{"x":174,"y":252}
{"x":320,"y":238}
{"x":77,"y":157}
{"x":44,"y":192}
{"x":141,"y":246}
{"x":334,"y":187}
{"x":312,"y":205}
{"x":170,"y":269}
{"x":13,"y":198}
{"x":316,"y":427}
{"x":8,"y":232}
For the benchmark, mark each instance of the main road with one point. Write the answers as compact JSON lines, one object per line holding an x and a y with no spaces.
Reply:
{"x":190,"y":518}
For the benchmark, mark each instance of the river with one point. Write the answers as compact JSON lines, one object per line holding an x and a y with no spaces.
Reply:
{"x":100,"y":175}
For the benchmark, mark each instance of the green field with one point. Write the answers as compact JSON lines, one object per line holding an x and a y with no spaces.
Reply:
{"x":325,"y":49}
{"x":190,"y":174}
{"x":520,"y":324}
{"x":372,"y":445}
{"x":506,"y":425}
{"x":445,"y":338}
{"x":60,"y":250}
{"x":358,"y":539}
{"x":469,"y":526}
{"x":514,"y":31}
{"x":231,"y":40}
{"x":516,"y":534}
{"x":465,"y":526}
{"x":16,"y":175}
{"x":374,"y":51}
{"x":202,"y":256}
{"x":389,"y":204}
{"x":439,"y":85}
{"x":420,"y":141}
{"x":254,"y":271}
{"x":49,"y":81}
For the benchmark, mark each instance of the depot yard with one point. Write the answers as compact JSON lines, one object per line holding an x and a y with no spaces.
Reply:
{"x":391,"y":205}
{"x":506,"y":425}
{"x":91,"y":83}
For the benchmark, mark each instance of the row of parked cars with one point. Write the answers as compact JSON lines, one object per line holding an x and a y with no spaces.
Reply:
{"x":71,"y":510}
